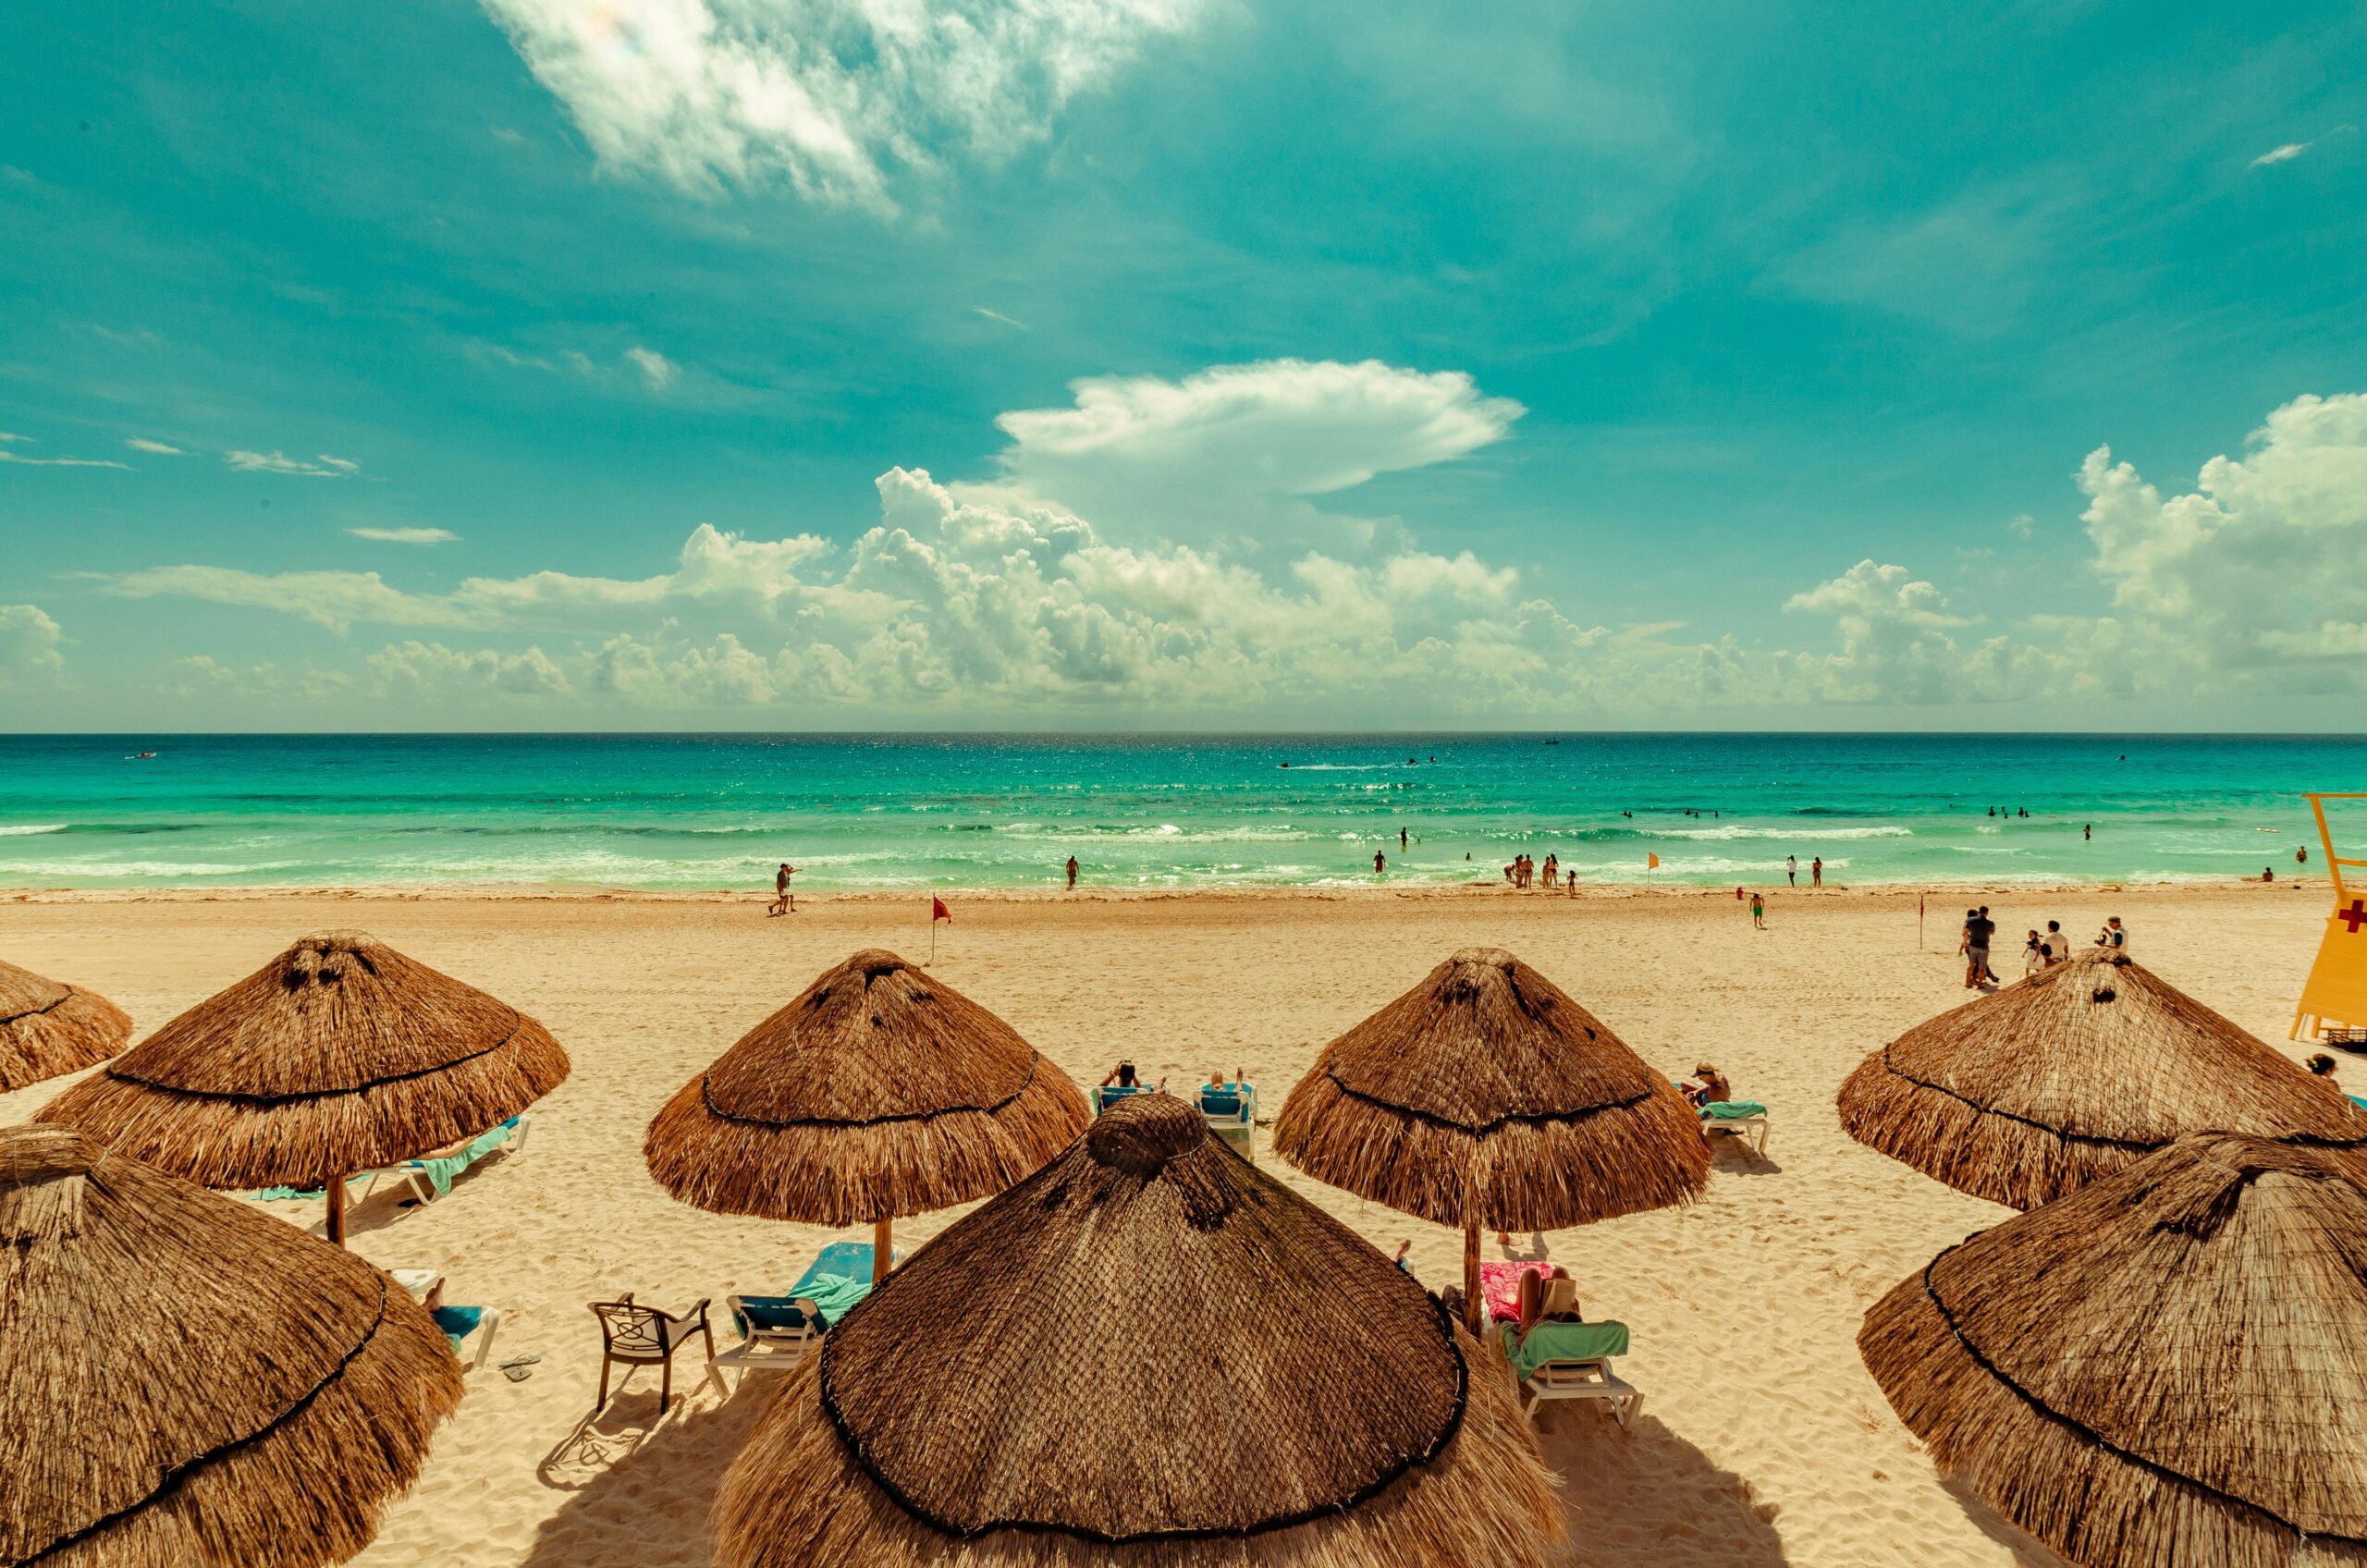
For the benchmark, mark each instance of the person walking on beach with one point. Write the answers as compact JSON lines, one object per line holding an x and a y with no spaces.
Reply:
{"x":1978,"y":929}
{"x":1816,"y":872}
{"x":784,"y":901}
{"x":1757,"y":912}
{"x":1071,"y":871}
{"x":1792,"y":870}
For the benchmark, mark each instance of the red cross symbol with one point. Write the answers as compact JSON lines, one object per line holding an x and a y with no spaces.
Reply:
{"x":2355,"y":917}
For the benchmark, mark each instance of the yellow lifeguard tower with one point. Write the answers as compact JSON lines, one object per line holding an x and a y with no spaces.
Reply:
{"x":2333,"y":1000}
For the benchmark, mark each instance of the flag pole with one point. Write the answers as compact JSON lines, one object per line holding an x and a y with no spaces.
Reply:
{"x":932,"y":930}
{"x":1918,"y":922}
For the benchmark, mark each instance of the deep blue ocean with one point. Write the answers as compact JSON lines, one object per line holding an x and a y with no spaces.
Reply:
{"x":880,"y":812}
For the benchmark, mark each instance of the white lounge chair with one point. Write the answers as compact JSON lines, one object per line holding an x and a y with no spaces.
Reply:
{"x":459,"y":1322}
{"x":423,"y":1184}
{"x":1572,"y":1361}
{"x":1751,"y":1126}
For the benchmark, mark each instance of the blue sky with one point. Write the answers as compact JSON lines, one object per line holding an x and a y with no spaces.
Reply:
{"x":749,"y":363}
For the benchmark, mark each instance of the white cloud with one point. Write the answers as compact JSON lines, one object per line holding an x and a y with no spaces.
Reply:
{"x":28,"y":646}
{"x":2020,"y":525}
{"x":997,"y":316}
{"x":2264,"y":564}
{"x":406,"y":535}
{"x":834,"y":95}
{"x":142,"y":443}
{"x":655,"y":367}
{"x":9,"y":437}
{"x":2285,"y":154}
{"x":326,"y":466}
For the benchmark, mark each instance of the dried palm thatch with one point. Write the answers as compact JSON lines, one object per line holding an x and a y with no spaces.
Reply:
{"x":47,"y":1028}
{"x":1147,"y":1354}
{"x":880,"y":1091}
{"x":2078,"y":1072}
{"x":2167,"y":1367}
{"x":340,"y":1055}
{"x":1486,"y":1095}
{"x":186,"y":1382}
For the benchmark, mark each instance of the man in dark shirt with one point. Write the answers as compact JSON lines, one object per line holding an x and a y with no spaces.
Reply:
{"x":1978,"y":929}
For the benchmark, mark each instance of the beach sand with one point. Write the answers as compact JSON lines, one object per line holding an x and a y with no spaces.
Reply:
{"x":1762,"y":1441}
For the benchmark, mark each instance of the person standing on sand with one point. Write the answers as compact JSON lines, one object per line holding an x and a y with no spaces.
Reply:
{"x":1071,"y":871}
{"x":1978,"y":929}
{"x":1757,"y":912}
{"x":1816,"y":872}
{"x":784,"y":901}
{"x":1792,"y":870}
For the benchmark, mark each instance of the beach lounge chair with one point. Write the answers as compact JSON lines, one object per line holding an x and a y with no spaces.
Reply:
{"x":777,"y":1331}
{"x":459,"y":1322}
{"x":632,"y":1335}
{"x":1231,"y":1114}
{"x":1571,"y":1361}
{"x":1745,"y":1119}
{"x":1108,"y":1095}
{"x":431,"y":1179}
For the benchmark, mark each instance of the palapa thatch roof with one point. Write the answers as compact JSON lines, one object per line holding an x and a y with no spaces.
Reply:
{"x":2080,"y":1071}
{"x":340,"y":1055}
{"x":1487,"y":1093}
{"x":187,"y":1382}
{"x":880,"y":1091}
{"x":1147,"y":1354}
{"x":47,"y":1028}
{"x":2169,"y":1366}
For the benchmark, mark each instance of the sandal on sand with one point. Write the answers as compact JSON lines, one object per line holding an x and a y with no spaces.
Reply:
{"x":517,"y":1368}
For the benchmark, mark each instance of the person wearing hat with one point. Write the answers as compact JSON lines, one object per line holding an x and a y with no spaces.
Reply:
{"x":1707,"y":1086}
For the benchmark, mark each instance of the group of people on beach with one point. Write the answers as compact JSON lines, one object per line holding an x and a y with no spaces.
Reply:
{"x":2043,"y":950}
{"x":1523,"y":871}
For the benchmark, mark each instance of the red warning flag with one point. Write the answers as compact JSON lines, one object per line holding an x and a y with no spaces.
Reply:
{"x":938,"y":911}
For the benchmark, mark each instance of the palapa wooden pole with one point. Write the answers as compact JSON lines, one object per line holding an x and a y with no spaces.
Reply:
{"x":883,"y":1249}
{"x":337,"y":1209}
{"x":1474,"y":1309}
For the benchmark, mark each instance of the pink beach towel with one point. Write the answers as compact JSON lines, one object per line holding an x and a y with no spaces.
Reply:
{"x":1500,"y":1284}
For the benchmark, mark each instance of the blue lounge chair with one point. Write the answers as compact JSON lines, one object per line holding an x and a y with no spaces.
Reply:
{"x":431,"y":1179}
{"x":775,"y":1333}
{"x":1108,"y":1095}
{"x":1231,"y":1114}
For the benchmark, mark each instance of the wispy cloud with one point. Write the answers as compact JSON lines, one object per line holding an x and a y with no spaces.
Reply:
{"x":53,"y":462}
{"x":326,"y":466}
{"x":708,"y":94}
{"x":997,"y":316}
{"x":655,"y":367}
{"x":2284,"y":155}
{"x":2020,"y":525}
{"x":406,"y":535}
{"x":142,"y":443}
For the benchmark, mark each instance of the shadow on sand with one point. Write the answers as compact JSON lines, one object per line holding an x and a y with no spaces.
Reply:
{"x":1648,"y":1496}
{"x":635,"y":1475}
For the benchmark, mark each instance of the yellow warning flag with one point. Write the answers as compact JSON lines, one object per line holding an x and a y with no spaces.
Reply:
{"x":1651,"y":860}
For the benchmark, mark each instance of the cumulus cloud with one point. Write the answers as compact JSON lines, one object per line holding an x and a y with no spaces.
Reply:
{"x":406,"y":535}
{"x":28,"y":646}
{"x":835,"y":96}
{"x":1231,"y":452}
{"x":2285,"y":154}
{"x":158,"y":448}
{"x":2264,"y":564}
{"x":323,"y":467}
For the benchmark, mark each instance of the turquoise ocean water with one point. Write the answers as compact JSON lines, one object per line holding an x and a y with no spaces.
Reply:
{"x":873,"y":812}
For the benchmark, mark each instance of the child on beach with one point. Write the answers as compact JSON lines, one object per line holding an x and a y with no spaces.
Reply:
{"x":1757,"y":912}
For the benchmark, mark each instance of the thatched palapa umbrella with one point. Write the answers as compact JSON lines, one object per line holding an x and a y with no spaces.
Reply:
{"x":2078,"y":1072}
{"x":1485,"y":1096}
{"x":1147,"y":1354}
{"x":339,"y":1056}
{"x":186,"y":1382}
{"x":47,"y":1028}
{"x":2167,"y":1367}
{"x":880,"y":1091}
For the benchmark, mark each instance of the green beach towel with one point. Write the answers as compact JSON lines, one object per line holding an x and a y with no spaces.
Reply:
{"x":280,"y":1194}
{"x":1561,"y":1341}
{"x":440,"y":1172}
{"x":835,"y":1294}
{"x":1729,"y":1111}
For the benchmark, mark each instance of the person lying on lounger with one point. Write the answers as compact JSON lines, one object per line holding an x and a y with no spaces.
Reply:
{"x":1122,"y":1076}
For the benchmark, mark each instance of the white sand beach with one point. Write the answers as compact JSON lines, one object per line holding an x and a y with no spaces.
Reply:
{"x":1763,"y":1440}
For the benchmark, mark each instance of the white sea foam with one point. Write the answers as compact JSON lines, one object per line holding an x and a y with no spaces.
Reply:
{"x":27,"y":830}
{"x":1785,"y":833}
